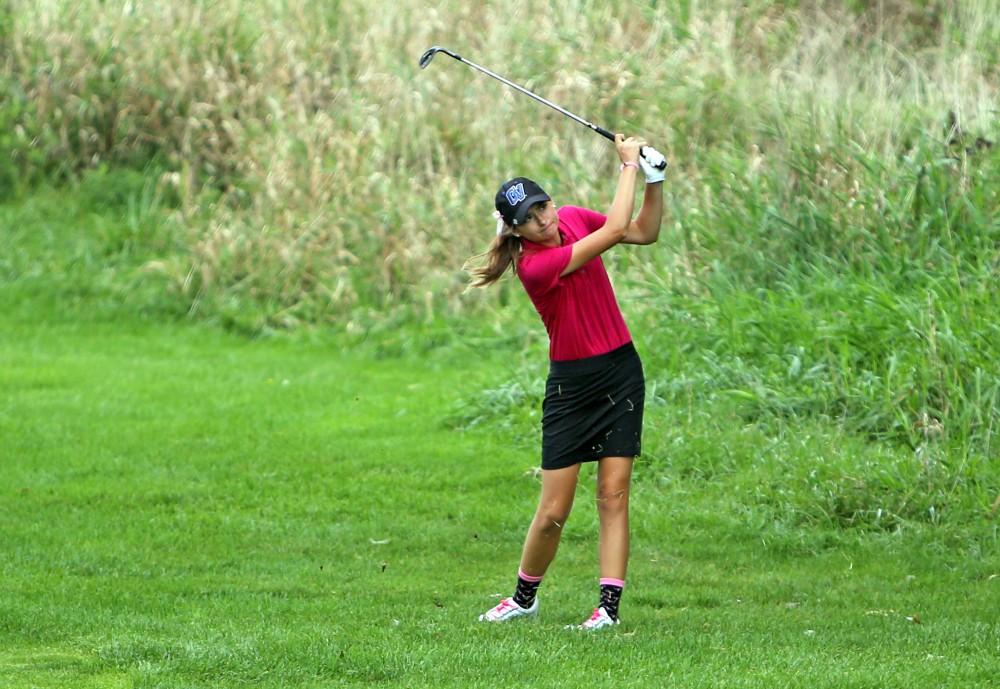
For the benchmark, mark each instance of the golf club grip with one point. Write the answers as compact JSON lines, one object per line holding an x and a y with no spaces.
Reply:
{"x":603,"y":132}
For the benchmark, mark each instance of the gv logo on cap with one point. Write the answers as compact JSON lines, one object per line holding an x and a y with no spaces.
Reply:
{"x":515,"y":194}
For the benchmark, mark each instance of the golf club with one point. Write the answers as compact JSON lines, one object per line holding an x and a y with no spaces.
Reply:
{"x":426,"y":58}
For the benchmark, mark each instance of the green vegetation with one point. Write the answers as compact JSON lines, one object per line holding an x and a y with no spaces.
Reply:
{"x":186,"y":507}
{"x":833,"y":232}
{"x":245,"y":395}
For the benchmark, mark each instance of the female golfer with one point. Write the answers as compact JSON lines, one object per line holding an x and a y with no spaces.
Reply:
{"x":595,"y":389}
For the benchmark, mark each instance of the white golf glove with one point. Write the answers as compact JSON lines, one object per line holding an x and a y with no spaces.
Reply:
{"x":653,"y":165}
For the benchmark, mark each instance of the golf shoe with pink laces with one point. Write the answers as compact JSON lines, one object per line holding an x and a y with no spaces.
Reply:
{"x":599,"y":619}
{"x":507,"y":610}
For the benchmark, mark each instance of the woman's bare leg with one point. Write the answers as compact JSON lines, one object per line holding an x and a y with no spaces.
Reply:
{"x":554,"y":505}
{"x":614,"y":476}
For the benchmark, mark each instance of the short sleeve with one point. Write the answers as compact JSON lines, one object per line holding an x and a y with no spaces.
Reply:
{"x":540,"y":271}
{"x":590,"y":220}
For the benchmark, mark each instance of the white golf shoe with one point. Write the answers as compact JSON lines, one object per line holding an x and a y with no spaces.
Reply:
{"x":507,"y":609}
{"x":599,"y":619}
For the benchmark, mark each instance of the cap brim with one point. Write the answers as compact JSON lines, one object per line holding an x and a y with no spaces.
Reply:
{"x":525,"y":206}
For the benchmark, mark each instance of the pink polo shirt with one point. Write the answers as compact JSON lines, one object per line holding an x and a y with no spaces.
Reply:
{"x":579,"y":310}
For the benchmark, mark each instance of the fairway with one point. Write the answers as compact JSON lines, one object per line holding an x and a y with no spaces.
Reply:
{"x":182,"y":507}
{"x":259,"y":428}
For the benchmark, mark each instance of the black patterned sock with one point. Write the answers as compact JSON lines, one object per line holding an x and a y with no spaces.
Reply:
{"x":527,"y":589}
{"x":611,"y":596}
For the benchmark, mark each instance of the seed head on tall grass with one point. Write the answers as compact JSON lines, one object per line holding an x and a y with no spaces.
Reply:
{"x":832,"y":166}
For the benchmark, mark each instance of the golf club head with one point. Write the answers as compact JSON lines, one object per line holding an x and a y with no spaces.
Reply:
{"x":428,"y":55}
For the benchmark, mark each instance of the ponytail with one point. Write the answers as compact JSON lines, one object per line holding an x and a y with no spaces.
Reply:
{"x":502,"y":254}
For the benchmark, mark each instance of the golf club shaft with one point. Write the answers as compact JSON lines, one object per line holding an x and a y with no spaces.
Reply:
{"x":428,"y":55}
{"x":576,"y":118}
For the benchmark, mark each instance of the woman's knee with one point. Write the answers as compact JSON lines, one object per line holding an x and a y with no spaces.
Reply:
{"x":552,"y":516}
{"x":612,"y":498}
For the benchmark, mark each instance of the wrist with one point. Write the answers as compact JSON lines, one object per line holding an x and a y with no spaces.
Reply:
{"x":628,"y":163}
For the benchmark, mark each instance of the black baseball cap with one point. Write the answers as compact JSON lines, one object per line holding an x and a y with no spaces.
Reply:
{"x":516,"y":197}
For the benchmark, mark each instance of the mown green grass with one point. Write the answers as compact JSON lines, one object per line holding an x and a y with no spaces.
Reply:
{"x":186,"y":508}
{"x":181,"y":506}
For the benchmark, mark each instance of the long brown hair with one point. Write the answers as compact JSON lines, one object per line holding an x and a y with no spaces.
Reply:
{"x":493,"y":263}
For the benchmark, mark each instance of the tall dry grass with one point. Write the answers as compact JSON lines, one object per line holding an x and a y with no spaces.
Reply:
{"x":318,"y":173}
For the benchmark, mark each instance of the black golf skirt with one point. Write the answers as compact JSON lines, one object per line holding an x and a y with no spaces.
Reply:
{"x":593,"y":408}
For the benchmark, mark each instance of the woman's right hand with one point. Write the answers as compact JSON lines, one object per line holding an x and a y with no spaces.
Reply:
{"x":628,"y":148}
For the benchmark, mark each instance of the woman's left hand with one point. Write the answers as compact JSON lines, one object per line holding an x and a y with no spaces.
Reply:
{"x":628,"y":148}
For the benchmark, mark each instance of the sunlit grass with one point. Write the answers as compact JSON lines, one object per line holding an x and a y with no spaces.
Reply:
{"x":186,"y":507}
